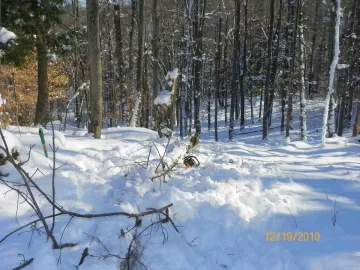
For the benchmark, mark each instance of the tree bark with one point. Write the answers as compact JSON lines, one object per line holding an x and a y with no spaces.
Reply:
{"x":244,"y":67}
{"x":303,"y":129}
{"x":42,"y":104}
{"x":218,"y":79}
{"x":312,"y":85}
{"x":120,"y":59}
{"x":155,"y":51}
{"x":292,"y":67}
{"x":235,"y":75}
{"x":267,"y":109}
{"x":140,"y":64}
{"x":198,"y":30}
{"x":96,"y":98}
{"x":275,"y":63}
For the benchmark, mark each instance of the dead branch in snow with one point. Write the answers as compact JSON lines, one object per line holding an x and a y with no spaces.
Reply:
{"x":32,"y":190}
{"x":24,"y":263}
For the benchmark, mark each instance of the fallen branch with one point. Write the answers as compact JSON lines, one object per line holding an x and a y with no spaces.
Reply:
{"x":73,"y":214}
{"x":83,"y":256}
{"x":23,"y":265}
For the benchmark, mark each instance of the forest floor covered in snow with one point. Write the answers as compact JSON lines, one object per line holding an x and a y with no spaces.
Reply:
{"x":223,"y":209}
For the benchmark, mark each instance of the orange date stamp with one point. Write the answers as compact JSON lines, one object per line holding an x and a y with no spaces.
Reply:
{"x":292,"y":236}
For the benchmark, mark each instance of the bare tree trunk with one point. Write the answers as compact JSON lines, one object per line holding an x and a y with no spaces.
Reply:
{"x":332,"y":105}
{"x":267,"y":105}
{"x":303,"y":132}
{"x":155,"y":51}
{"x":312,"y":84}
{"x":209,"y":90}
{"x":120,"y":59}
{"x":198,"y":30}
{"x":131,"y":92}
{"x":236,"y":52}
{"x":292,"y":68}
{"x":328,"y":112}
{"x":188,"y":67}
{"x":355,"y":14}
{"x":275,"y":63}
{"x":75,"y":5}
{"x":286,"y":66}
{"x":225,"y":71}
{"x":140,"y":64}
{"x":113,"y":98}
{"x":244,"y":68}
{"x":218,"y":80}
{"x":42,"y":104}
{"x":92,"y":8}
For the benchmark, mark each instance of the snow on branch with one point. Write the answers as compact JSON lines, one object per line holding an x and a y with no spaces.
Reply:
{"x":342,"y":66}
{"x":6,"y":35}
{"x":164,"y":97}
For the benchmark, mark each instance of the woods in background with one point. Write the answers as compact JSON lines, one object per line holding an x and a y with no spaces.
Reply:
{"x":114,"y":57}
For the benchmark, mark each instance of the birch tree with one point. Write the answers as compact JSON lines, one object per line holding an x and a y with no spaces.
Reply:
{"x":332,"y":69}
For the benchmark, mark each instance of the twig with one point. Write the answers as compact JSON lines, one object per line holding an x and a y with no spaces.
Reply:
{"x":62,"y":234}
{"x":190,"y":244}
{"x":147,"y":163}
{"x":334,"y":217}
{"x":64,"y":212}
{"x":163,"y":156}
{"x":108,"y":255}
{"x":326,"y":194}
{"x":29,"y":154}
{"x":26,"y":225}
{"x":83,"y":256}
{"x":23,"y":265}
{"x":292,"y":216}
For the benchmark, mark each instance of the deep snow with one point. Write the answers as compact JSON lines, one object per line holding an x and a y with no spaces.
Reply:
{"x":223,"y":208}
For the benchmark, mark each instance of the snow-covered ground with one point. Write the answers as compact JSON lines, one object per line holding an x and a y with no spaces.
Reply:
{"x":223,"y":209}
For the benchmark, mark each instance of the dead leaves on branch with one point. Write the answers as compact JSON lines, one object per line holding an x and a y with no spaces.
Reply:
{"x":19,"y":87}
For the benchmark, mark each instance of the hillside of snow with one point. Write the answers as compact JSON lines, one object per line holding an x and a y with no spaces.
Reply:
{"x":224,"y":209}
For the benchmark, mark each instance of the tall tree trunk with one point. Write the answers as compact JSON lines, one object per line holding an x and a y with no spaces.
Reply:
{"x":343,"y":79}
{"x":198,"y":30}
{"x":140,"y":64}
{"x":209,"y":90}
{"x":75,"y":6}
{"x":218,"y":79}
{"x":267,"y":108}
{"x":275,"y":63}
{"x":131,"y":92}
{"x":225,"y":71}
{"x":312,"y":84}
{"x":234,"y":84}
{"x":113,"y":98}
{"x":155,"y":51}
{"x":337,"y":4}
{"x":92,"y":8}
{"x":120,"y":59}
{"x":286,"y":65}
{"x":331,"y":105}
{"x":244,"y":68}
{"x":292,"y":67}
{"x":303,"y":132}
{"x":352,"y":58}
{"x":42,"y":104}
{"x":356,"y":128}
{"x":188,"y":67}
